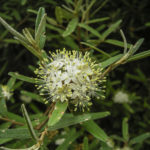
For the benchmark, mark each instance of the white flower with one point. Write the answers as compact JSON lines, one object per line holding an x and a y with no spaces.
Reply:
{"x":5,"y":92}
{"x":70,"y":76}
{"x":59,"y":141}
{"x":121,"y":97}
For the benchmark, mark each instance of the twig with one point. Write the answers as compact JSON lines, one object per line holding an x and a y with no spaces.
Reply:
{"x":12,"y":121}
{"x":45,"y":130}
{"x":48,"y":112}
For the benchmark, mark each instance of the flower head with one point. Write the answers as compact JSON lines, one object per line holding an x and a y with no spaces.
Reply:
{"x":70,"y":76}
{"x":121,"y":97}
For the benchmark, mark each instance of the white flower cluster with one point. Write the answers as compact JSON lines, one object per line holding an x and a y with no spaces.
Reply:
{"x":121,"y":97}
{"x":70,"y":76}
{"x":5,"y":92}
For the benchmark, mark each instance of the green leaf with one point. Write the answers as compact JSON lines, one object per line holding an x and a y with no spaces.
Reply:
{"x":3,"y":107}
{"x":137,"y":45}
{"x":110,"y":61}
{"x":12,"y":41}
{"x":117,"y":43}
{"x":140,"y":138}
{"x":95,"y":130}
{"x":3,"y":141}
{"x":57,"y":113}
{"x":90,"y":29}
{"x":51,"y":21}
{"x":97,"y":49}
{"x":66,"y":14}
{"x":11,"y":82}
{"x":34,"y":147}
{"x":59,"y":14}
{"x":8,"y":17}
{"x":71,"y":137}
{"x":13,"y":31}
{"x":15,"y":133}
{"x":72,"y":120}
{"x":71,"y":27}
{"x":30,"y":48}
{"x":139,"y":56}
{"x":5,"y":125}
{"x":111,"y":29}
{"x":40,"y":14}
{"x":28,"y":121}
{"x":14,"y":117}
{"x":33,"y":96}
{"x":40,"y":28}
{"x":128,"y":107}
{"x":85,"y":144}
{"x":22,"y":77}
{"x":97,"y":20}
{"x":125,"y":132}
{"x":54,"y":28}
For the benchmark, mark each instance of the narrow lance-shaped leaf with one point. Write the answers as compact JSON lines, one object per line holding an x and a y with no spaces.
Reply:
{"x":139,"y":56}
{"x":18,"y":133}
{"x":59,"y":14}
{"x":71,"y":27}
{"x":66,"y":121}
{"x":3,"y":107}
{"x":11,"y":82}
{"x":34,"y":147}
{"x":97,"y":20}
{"x":137,"y":46}
{"x":12,"y":31}
{"x":85,"y":144}
{"x":112,"y":28}
{"x":33,"y":96}
{"x":40,"y":28}
{"x":90,"y":29}
{"x":140,"y":138}
{"x":97,"y":49}
{"x":57,"y":113}
{"x":116,"y":43}
{"x":110,"y":61}
{"x":22,"y":77}
{"x":95,"y":130}
{"x":72,"y":120}
{"x":28,"y":121}
{"x":28,"y":36}
{"x":15,"y":117}
{"x":3,"y":141}
{"x":125,"y":129}
{"x":30,"y":48}
{"x":40,"y":14}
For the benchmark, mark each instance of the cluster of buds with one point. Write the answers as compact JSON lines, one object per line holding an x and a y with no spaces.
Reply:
{"x":70,"y":76}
